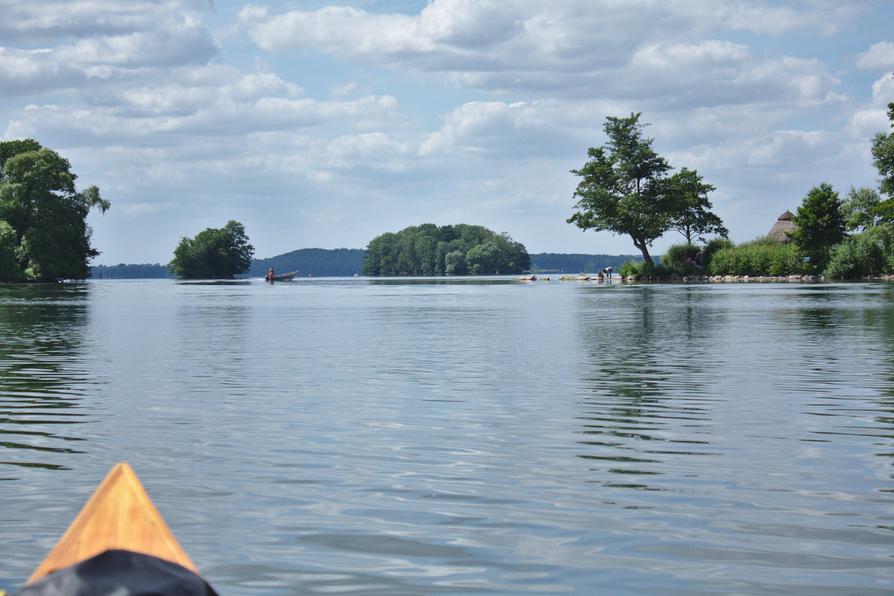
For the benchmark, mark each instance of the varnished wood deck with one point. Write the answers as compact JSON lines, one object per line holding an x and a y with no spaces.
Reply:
{"x":119,"y":515}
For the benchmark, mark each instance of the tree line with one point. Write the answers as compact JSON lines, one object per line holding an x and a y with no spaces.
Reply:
{"x":417,"y":250}
{"x":347,"y":262}
{"x":576,"y":262}
{"x":839,"y":238}
{"x":625,"y":187}
{"x":316,"y":262}
{"x":131,"y":271}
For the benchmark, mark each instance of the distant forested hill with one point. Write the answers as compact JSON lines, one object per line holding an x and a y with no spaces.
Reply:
{"x":577,"y":263}
{"x":345,"y":262}
{"x":318,"y":262}
{"x":123,"y":271}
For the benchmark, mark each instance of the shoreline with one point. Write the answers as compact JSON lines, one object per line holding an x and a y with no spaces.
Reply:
{"x":757,"y":279}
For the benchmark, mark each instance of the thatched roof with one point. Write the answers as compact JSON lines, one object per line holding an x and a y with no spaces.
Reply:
{"x":784,"y":224}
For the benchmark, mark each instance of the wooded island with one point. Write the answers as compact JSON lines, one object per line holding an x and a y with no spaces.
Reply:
{"x":445,"y":250}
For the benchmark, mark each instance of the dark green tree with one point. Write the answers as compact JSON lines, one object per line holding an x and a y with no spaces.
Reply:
{"x":39,"y":201}
{"x":819,"y":225}
{"x":691,"y":213}
{"x":213,"y":253}
{"x":624,"y":187}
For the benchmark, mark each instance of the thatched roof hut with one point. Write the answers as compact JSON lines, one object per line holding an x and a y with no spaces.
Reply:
{"x":784,"y":224}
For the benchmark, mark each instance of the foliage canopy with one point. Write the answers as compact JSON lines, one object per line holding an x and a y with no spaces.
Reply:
{"x":860,"y":208}
{"x":459,"y":249}
{"x":45,"y":231}
{"x":624,"y":188}
{"x":682,"y":260}
{"x":213,"y":253}
{"x":866,"y":254}
{"x":691,"y":213}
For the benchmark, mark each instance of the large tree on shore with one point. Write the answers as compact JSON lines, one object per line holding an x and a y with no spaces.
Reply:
{"x":213,"y":253}
{"x":45,"y":213}
{"x":625,"y":189}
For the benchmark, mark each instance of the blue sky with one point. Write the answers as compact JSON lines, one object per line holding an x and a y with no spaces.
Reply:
{"x":322,"y":124}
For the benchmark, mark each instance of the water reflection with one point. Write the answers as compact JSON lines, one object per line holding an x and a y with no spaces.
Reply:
{"x":882,"y":319}
{"x":218,"y":322}
{"x":541,"y":437}
{"x":770,"y":407}
{"x":854,"y":328}
{"x":440,"y":281}
{"x":41,"y":384}
{"x":646,"y":397}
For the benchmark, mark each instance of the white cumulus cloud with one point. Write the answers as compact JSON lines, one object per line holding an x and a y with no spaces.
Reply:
{"x":63,"y":46}
{"x":569,"y":47}
{"x":880,"y":56}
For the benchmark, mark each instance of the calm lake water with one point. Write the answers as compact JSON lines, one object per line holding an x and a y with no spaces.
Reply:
{"x":423,"y":437}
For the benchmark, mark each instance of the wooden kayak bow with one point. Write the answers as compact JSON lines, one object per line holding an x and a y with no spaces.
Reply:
{"x":119,"y":515}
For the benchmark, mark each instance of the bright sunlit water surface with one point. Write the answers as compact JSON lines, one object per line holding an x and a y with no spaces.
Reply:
{"x":418,"y":436}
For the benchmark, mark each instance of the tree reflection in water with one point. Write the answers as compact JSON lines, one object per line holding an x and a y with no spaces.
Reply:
{"x":41,"y":384}
{"x":646,"y":397}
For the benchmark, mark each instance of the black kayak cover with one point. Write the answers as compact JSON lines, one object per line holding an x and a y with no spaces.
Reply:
{"x":121,"y":573}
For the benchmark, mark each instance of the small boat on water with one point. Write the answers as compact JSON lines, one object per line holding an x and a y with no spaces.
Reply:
{"x":281,"y":276}
{"x":119,"y":543}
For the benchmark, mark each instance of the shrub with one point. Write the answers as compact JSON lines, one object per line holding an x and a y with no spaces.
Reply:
{"x":869,"y":253}
{"x":653,"y":271}
{"x":631,"y":268}
{"x":711,"y":249}
{"x":643,"y":270}
{"x":856,"y":257}
{"x":682,"y":259}
{"x":759,"y":257}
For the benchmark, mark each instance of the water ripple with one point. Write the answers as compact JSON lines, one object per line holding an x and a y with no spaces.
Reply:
{"x":424,"y":436}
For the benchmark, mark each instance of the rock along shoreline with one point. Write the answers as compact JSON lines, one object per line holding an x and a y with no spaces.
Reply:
{"x":751,"y":279}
